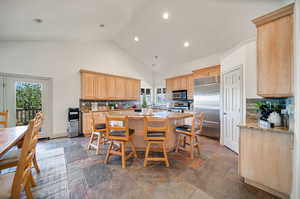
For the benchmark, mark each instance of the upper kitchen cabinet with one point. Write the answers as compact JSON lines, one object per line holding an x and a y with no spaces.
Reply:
{"x":87,"y":85}
{"x":100,"y":86}
{"x":275,"y":53}
{"x":184,"y":82}
{"x":207,"y":71}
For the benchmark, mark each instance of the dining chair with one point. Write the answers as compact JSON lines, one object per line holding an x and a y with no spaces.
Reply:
{"x":14,"y":183}
{"x":119,"y":133}
{"x":155,"y":132}
{"x":12,"y":157}
{"x":4,"y":119}
{"x":190,"y":132}
{"x":98,"y":134}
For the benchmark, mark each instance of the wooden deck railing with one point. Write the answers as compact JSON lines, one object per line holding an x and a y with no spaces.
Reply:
{"x":25,"y":115}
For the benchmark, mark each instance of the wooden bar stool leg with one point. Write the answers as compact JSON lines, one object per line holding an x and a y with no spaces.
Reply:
{"x":91,"y":141}
{"x":197,"y":144}
{"x":28,"y":191}
{"x":192,"y":147}
{"x":98,"y":144}
{"x":147,"y":153}
{"x":108,"y":152}
{"x":32,"y":182}
{"x":123,"y":155}
{"x":165,"y":154}
{"x":178,"y":143}
{"x":133,"y":148}
{"x":36,"y":166}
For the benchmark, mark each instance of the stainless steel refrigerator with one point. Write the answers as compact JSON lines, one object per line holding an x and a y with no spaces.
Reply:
{"x":207,"y":100}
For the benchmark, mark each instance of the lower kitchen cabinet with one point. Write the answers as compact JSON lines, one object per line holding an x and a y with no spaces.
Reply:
{"x":265,"y":159}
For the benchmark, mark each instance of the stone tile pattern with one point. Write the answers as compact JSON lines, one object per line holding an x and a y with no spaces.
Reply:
{"x":211,"y":175}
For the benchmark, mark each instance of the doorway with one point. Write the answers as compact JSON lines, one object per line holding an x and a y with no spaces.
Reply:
{"x":232,"y":108}
{"x":23,"y":97}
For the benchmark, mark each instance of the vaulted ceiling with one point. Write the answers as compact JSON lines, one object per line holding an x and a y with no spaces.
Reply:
{"x":211,"y":26}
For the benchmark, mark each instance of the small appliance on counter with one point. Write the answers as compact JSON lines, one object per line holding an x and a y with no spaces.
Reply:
{"x":73,"y":122}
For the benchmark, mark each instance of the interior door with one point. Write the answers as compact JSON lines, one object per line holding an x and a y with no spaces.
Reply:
{"x":232,"y":106}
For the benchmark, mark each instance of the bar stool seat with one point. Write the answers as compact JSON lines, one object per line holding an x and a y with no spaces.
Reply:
{"x":156,"y":133}
{"x":100,"y":126}
{"x":121,"y":133}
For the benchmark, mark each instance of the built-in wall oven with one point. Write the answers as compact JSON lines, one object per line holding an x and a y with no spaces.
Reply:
{"x":179,"y":95}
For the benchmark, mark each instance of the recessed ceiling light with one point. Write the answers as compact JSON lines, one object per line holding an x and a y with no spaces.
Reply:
{"x":37,"y":20}
{"x":186,"y":44}
{"x":101,"y":25}
{"x":165,"y":15}
{"x":136,"y":38}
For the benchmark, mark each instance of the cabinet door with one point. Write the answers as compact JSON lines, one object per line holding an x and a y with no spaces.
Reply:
{"x":183,"y":83}
{"x":190,"y":86}
{"x":100,"y":87}
{"x":87,"y":86}
{"x":111,"y":87}
{"x":86,"y":123}
{"x":169,"y":85}
{"x":129,"y":92}
{"x":274,"y":58}
{"x":176,"y":84}
{"x":120,"y":88}
{"x":136,"y":89}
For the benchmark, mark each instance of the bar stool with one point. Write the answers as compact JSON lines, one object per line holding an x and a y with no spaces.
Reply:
{"x":191,"y":132}
{"x":118,"y":132}
{"x":98,"y":133}
{"x":156,"y":135}
{"x":4,"y":122}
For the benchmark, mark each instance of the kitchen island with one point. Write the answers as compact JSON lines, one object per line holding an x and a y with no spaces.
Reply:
{"x":136,"y":122}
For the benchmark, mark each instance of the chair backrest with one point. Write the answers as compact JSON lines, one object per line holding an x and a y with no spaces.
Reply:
{"x":155,"y":124}
{"x":4,"y":119}
{"x":117,"y":124}
{"x":197,"y":122}
{"x":23,"y":173}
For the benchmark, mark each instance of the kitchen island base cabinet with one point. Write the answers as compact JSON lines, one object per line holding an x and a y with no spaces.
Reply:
{"x":265,"y":160}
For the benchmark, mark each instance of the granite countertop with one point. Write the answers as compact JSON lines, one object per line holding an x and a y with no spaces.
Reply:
{"x":161,"y":114}
{"x":255,"y":125}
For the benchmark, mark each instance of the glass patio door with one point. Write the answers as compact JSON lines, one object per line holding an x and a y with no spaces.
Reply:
{"x":23,"y":98}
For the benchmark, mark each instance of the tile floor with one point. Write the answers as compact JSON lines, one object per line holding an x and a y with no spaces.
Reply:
{"x":212,"y":175}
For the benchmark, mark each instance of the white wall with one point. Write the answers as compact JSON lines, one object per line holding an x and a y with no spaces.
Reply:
{"x":243,"y":55}
{"x":61,"y":61}
{"x":296,"y":175}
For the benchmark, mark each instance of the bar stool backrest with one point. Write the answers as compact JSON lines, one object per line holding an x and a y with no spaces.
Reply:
{"x":23,"y":172}
{"x":155,"y":124}
{"x":97,"y":120}
{"x":4,"y":119}
{"x":117,"y":124}
{"x":197,"y":123}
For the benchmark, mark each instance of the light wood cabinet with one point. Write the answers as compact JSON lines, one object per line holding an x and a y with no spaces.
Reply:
{"x":207,"y":72}
{"x":186,"y":82}
{"x":275,"y":53}
{"x":100,"y":86}
{"x":87,"y":85}
{"x":265,"y":160}
{"x":111,"y":87}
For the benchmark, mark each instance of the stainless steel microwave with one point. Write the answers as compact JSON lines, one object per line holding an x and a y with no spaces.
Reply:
{"x":179,"y":95}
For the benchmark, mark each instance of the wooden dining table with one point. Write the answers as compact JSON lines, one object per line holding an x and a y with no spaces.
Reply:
{"x":9,"y":137}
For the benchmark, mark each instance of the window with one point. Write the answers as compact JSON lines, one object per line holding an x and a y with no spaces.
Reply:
{"x":161,"y":96}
